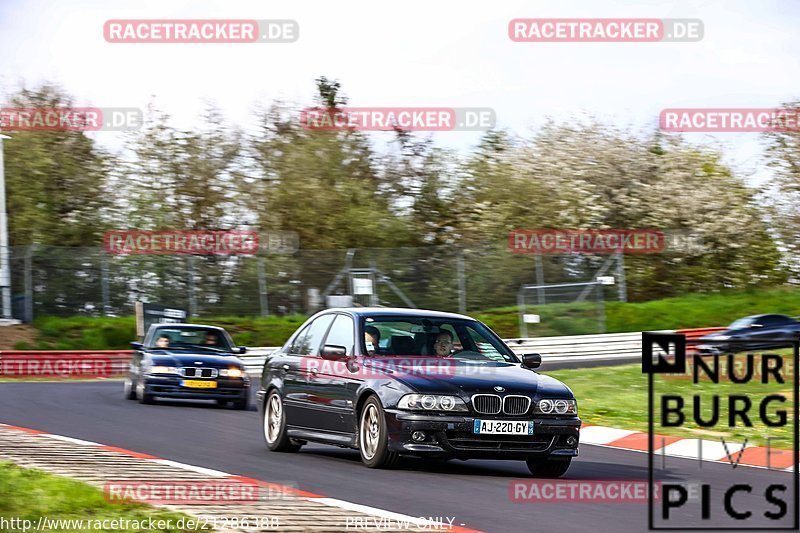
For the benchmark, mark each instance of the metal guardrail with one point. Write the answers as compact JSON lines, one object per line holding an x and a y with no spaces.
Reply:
{"x":572,"y":348}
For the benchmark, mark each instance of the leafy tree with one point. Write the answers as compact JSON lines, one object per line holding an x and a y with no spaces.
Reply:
{"x":56,"y":181}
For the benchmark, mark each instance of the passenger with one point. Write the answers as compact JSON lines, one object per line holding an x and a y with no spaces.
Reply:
{"x":211,"y":339}
{"x":372,"y":338}
{"x":443,"y":344}
{"x":162,"y":342}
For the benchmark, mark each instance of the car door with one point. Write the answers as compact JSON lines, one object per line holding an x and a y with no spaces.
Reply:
{"x":305,"y":355}
{"x":333,"y":387}
{"x":287,"y":368}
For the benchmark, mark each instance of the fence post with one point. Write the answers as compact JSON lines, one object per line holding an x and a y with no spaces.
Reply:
{"x":623,"y":289}
{"x":28,"y":280}
{"x":462,"y":283}
{"x":190,"y":278}
{"x":262,"y":286}
{"x":104,"y":283}
{"x":523,"y":327}
{"x":540,"y":298}
{"x":601,"y":305}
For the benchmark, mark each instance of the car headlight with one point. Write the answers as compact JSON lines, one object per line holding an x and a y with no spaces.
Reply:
{"x":232,"y":372}
{"x":163,"y":370}
{"x":432,"y":402}
{"x":721,"y":337}
{"x":556,"y":406}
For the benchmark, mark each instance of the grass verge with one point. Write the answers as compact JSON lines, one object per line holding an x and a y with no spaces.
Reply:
{"x":28,"y":494}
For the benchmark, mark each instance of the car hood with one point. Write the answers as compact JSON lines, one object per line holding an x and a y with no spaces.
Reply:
{"x":467,"y":378}
{"x":167,"y":358}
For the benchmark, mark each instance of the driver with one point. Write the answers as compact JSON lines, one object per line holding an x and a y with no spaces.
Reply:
{"x":443,"y":344}
{"x":372,"y":338}
{"x":162,"y":341}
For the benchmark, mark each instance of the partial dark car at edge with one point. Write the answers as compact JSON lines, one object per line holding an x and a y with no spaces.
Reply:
{"x":198,"y":363}
{"x":752,"y":333}
{"x":403,"y":397}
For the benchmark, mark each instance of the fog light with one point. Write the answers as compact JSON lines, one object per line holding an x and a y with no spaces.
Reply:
{"x":571,"y":441}
{"x":418,"y":436}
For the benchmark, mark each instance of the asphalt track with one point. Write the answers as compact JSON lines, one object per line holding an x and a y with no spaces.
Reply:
{"x":476,"y":493}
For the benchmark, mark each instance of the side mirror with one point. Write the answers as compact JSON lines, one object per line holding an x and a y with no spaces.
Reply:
{"x":331,"y":352}
{"x":241,"y":349}
{"x":531,"y":360}
{"x":136,"y":345}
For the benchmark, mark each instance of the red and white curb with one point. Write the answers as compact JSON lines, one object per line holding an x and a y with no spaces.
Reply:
{"x":420,"y":523}
{"x":706,"y":450}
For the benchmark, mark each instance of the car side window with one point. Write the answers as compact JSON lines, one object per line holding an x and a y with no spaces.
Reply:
{"x":341,"y":333}
{"x":309,"y":343}
{"x":298,"y":341}
{"x":773,"y":320}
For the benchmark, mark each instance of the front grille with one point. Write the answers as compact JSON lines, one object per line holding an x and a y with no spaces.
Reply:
{"x":461,"y":440}
{"x":516,"y":405}
{"x":197,"y":372}
{"x":486,"y":404}
{"x":492,"y":404}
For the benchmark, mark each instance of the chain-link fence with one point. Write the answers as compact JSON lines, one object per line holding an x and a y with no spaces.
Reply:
{"x":62,"y":281}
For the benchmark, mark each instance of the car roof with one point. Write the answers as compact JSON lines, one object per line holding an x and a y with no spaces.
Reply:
{"x":397,"y":311}
{"x":181,"y":325}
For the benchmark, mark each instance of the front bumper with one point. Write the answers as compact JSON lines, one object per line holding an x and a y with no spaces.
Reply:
{"x":452,"y":436}
{"x":170,"y":387}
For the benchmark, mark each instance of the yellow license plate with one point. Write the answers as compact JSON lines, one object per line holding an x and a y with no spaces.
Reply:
{"x":196,"y":384}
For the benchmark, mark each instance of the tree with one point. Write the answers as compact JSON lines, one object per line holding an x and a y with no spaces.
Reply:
{"x":782,"y":192}
{"x":56,"y":181}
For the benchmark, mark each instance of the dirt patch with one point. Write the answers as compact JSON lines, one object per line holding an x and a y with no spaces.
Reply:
{"x":11,"y":335}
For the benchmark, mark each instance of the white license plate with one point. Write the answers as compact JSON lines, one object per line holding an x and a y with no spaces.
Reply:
{"x":502,"y":427}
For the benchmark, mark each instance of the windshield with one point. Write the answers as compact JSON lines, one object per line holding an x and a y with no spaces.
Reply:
{"x":434,"y":337}
{"x":193,"y":338}
{"x":742,"y":323}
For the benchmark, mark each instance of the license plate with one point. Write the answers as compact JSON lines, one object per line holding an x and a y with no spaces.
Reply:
{"x":196,"y":384}
{"x":502,"y":427}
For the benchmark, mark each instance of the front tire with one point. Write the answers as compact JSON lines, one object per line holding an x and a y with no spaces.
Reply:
{"x":373,"y":438}
{"x":141,"y":393}
{"x":548,"y":468}
{"x":274,"y":425}
{"x":130,"y":390}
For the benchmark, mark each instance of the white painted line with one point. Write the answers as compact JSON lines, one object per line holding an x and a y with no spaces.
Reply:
{"x":198,"y":469}
{"x":705,"y":449}
{"x":70,"y":439}
{"x":602,"y":434}
{"x":389,"y":515}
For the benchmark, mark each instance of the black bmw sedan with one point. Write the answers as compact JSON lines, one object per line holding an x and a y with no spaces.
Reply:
{"x":393,"y":382}
{"x":188,"y":361}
